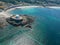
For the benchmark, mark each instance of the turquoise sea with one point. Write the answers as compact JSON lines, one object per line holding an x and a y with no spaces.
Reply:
{"x":46,"y":28}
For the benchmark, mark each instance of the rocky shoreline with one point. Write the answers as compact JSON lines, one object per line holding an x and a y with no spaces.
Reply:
{"x":6,"y":4}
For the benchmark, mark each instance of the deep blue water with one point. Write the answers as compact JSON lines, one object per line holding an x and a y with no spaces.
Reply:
{"x":46,"y":29}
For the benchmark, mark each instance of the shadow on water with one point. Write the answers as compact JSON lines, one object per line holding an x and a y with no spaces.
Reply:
{"x":46,"y":30}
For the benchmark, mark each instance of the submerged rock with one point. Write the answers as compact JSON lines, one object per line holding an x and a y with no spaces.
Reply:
{"x":20,"y":20}
{"x":16,"y":20}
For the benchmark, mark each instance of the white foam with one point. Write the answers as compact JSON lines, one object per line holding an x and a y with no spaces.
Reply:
{"x":54,"y":7}
{"x":22,"y":7}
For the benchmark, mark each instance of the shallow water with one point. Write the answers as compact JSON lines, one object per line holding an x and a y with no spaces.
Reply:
{"x":46,"y":28}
